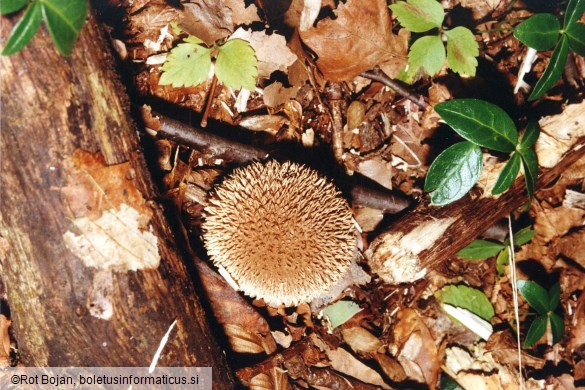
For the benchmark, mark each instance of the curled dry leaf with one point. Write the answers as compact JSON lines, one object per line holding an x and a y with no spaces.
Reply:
{"x":359,"y":39}
{"x":275,"y":379}
{"x":416,"y":349}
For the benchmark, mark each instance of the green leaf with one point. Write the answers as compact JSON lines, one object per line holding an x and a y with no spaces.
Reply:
{"x":462,"y":48}
{"x":419,"y":15}
{"x":64,"y":19}
{"x":554,"y":296}
{"x":468,"y":298}
{"x":530,"y":164}
{"x":576,"y":36}
{"x":10,"y":6}
{"x":502,"y":261}
{"x":507,"y":174}
{"x":553,"y":71}
{"x":557,"y":327}
{"x":449,"y":384}
{"x":573,"y":13}
{"x":480,"y":249}
{"x":536,"y":330}
{"x":539,"y":31}
{"x":427,"y":53}
{"x":236,"y":65}
{"x":340,"y":312}
{"x":523,"y":236}
{"x":530,"y":135}
{"x":453,"y":173}
{"x":187,"y":64}
{"x":480,"y":122}
{"x":24,"y":30}
{"x":535,"y":295}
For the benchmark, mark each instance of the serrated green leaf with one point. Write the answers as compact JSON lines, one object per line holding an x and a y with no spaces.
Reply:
{"x":236,"y":65}
{"x":480,"y":250}
{"x":427,"y":53}
{"x":524,"y":236}
{"x":64,"y":20}
{"x":453,"y":173}
{"x":530,"y":135}
{"x":462,"y":50}
{"x":419,"y":15}
{"x":187,"y":65}
{"x":554,"y":296}
{"x":557,"y":327}
{"x":24,"y":30}
{"x":573,"y":13}
{"x":536,"y":330}
{"x":340,"y":312}
{"x":468,"y":298}
{"x":535,"y":295}
{"x":576,"y":36}
{"x":539,"y":31}
{"x":530,"y":164}
{"x":480,"y":122}
{"x":507,"y":174}
{"x":10,"y":6}
{"x":553,"y":71}
{"x":502,"y":261}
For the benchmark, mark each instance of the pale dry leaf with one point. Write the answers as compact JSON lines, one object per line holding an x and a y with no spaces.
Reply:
{"x":344,"y":362}
{"x":276,"y":94}
{"x":4,"y":341}
{"x":572,"y":246}
{"x":551,"y":223}
{"x":243,"y":341}
{"x":358,"y":40}
{"x":377,"y":169}
{"x":360,"y":340}
{"x":275,"y":379}
{"x":368,"y":218}
{"x":271,"y":50}
{"x":309,"y":13}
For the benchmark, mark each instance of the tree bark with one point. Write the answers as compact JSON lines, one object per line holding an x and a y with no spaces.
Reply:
{"x":92,"y":273}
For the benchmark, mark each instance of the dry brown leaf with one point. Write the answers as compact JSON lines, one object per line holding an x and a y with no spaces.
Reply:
{"x":271,"y":51}
{"x":276,"y":379}
{"x":377,"y":169}
{"x":368,"y":218}
{"x":360,"y":340}
{"x":391,"y":367}
{"x":416,"y":349}
{"x":247,"y":329}
{"x":573,"y":246}
{"x":4,"y":342}
{"x":344,"y":362}
{"x":551,"y":223}
{"x":577,"y":341}
{"x":276,"y":94}
{"x":359,"y":39}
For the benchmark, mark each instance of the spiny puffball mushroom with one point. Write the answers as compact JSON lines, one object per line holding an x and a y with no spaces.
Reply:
{"x":281,"y":231}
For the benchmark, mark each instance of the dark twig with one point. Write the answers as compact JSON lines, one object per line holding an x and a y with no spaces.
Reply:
{"x":215,"y":147}
{"x":381,"y":77}
{"x":209,"y":102}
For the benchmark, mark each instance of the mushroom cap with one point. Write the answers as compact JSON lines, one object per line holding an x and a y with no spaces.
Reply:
{"x":282,"y":232}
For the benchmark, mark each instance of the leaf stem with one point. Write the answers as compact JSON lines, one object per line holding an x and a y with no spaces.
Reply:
{"x":210,"y":98}
{"x":381,"y":77}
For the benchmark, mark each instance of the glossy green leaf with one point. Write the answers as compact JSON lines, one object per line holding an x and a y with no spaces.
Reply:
{"x":530,"y":135}
{"x":535,"y":295}
{"x":576,"y":36}
{"x":340,"y":312}
{"x":453,"y":173}
{"x":10,"y":6}
{"x":554,"y":296}
{"x":236,"y":65}
{"x":24,"y":30}
{"x":536,"y":330}
{"x":480,"y":249}
{"x":507,"y":174}
{"x":187,"y":64}
{"x":462,"y":50}
{"x":557,"y":327}
{"x":468,"y":298}
{"x":553,"y":71}
{"x":480,"y":122}
{"x":419,"y":15}
{"x":573,"y":12}
{"x":64,"y":19}
{"x":539,"y":31}
{"x":427,"y":53}
{"x":530,"y":164}
{"x":523,"y":236}
{"x":502,"y":261}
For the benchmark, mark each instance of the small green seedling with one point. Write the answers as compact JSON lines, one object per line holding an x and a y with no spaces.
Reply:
{"x":483,"y":249}
{"x":544,"y":303}
{"x":188,"y":64}
{"x":428,"y":52}
{"x":64,"y":19}
{"x":542,"y":32}
{"x":456,"y":170}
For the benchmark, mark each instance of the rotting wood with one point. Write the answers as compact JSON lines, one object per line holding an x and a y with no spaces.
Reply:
{"x":66,"y":134}
{"x":470,"y":216}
